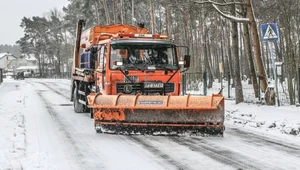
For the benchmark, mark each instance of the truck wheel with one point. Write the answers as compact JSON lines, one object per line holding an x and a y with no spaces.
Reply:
{"x":78,"y":107}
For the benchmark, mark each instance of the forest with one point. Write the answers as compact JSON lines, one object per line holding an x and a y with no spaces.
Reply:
{"x":12,"y":49}
{"x":224,"y":36}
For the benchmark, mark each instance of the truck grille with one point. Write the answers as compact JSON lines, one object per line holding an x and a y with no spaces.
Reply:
{"x":135,"y":88}
{"x":138,"y":88}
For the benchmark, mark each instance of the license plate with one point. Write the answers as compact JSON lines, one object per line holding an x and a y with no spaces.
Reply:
{"x":150,"y":85}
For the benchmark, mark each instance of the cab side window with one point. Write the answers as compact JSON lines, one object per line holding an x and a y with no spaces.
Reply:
{"x":102,"y":55}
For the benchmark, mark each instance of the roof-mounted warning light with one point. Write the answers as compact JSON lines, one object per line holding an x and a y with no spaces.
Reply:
{"x":155,"y":36}
{"x":143,"y":35}
{"x":163,"y":36}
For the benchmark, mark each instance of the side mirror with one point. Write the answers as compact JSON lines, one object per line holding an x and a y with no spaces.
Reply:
{"x":83,"y":45}
{"x":94,"y":53}
{"x":187,"y":59}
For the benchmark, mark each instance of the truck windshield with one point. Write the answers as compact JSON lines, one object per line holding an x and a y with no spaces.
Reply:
{"x":141,"y":55}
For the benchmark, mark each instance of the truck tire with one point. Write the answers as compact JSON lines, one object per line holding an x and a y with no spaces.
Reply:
{"x":92,"y":113}
{"x":78,"y":107}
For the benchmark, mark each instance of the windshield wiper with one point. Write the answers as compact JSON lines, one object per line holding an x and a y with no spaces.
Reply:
{"x":126,"y":66}
{"x":166,"y":68}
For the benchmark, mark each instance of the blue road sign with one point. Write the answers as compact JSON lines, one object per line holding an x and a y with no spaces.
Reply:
{"x":269,"y":32}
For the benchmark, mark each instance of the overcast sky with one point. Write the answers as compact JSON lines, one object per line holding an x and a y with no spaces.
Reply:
{"x":12,"y":12}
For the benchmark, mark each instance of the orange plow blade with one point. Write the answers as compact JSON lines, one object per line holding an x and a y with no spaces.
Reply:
{"x":158,"y":113}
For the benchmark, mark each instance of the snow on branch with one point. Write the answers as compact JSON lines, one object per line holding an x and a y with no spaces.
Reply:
{"x":220,"y":4}
{"x":230,"y":17}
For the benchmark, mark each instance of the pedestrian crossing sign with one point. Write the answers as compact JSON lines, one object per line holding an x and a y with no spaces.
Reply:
{"x":269,"y":32}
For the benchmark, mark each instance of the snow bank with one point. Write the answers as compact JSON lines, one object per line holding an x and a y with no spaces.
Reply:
{"x":284,"y":119}
{"x":13,"y":136}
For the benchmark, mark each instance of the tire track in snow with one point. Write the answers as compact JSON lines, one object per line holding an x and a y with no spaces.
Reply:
{"x":68,"y":134}
{"x":79,"y":155}
{"x":155,"y":151}
{"x":56,"y":91}
{"x":219,"y":154}
{"x":138,"y":141}
{"x":53,"y":114}
{"x":263,"y":140}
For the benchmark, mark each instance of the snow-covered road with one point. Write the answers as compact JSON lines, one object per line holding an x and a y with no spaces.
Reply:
{"x":40,"y":130}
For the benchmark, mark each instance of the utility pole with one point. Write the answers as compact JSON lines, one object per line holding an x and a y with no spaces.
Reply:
{"x":270,"y":33}
{"x":275,"y":75}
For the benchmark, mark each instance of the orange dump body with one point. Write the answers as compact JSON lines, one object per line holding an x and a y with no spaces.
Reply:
{"x":92,"y":35}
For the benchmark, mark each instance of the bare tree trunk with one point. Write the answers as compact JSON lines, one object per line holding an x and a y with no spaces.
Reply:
{"x":106,"y":12}
{"x":132,"y":12}
{"x":57,"y":68}
{"x":43,"y":63}
{"x":297,"y":59}
{"x":230,"y":60}
{"x":235,"y":51}
{"x":250,"y":60}
{"x":122,"y":12}
{"x":195,"y":46}
{"x":209,"y":65}
{"x":206,"y":57}
{"x":38,"y":57}
{"x":288,"y":57}
{"x":114,"y":11}
{"x":268,"y":62}
{"x":256,"y":46}
{"x":187,"y":25}
{"x":160,"y":21}
{"x":152,"y":17}
{"x":97,"y":12}
{"x":241,"y":52}
{"x":168,"y":22}
{"x":222,"y":52}
{"x":225,"y":56}
{"x":200,"y":48}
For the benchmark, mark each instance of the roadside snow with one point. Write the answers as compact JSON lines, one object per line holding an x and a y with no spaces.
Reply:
{"x":253,"y":114}
{"x":284,"y":119}
{"x":13,"y":138}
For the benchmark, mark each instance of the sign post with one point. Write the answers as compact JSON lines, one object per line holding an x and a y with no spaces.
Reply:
{"x":204,"y":83}
{"x":270,"y":33}
{"x":299,"y":85}
{"x":1,"y":75}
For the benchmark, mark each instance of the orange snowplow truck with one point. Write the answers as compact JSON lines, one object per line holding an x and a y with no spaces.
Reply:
{"x":130,"y":81}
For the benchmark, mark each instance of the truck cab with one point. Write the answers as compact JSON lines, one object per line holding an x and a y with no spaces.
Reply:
{"x":123,"y":59}
{"x":133,"y":66}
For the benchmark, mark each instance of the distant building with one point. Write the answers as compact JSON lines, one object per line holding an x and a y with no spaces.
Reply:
{"x":8,"y":63}
{"x":12,"y":64}
{"x":31,"y":60}
{"x":7,"y":60}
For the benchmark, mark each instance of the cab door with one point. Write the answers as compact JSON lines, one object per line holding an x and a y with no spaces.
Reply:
{"x":101,"y":72}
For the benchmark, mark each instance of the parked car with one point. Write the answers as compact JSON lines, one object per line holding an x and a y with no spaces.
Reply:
{"x":20,"y":76}
{"x":27,"y":74}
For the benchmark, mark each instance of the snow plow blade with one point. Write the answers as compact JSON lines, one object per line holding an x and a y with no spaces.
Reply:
{"x":140,"y":113}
